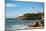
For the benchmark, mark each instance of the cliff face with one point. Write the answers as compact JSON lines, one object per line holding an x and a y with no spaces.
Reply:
{"x":30,"y":16}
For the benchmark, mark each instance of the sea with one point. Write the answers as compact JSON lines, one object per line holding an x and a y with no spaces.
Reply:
{"x":16,"y":24}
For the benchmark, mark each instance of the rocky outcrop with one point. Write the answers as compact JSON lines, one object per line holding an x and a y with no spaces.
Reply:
{"x":37,"y":24}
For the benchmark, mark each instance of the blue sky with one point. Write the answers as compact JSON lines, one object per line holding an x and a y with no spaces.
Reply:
{"x":18,"y":8}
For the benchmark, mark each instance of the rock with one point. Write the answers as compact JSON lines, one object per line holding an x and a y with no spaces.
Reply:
{"x":36,"y":24}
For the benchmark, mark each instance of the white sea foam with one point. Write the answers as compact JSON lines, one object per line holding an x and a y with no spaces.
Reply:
{"x":17,"y":27}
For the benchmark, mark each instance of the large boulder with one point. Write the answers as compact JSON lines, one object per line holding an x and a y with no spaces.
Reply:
{"x":35,"y":24}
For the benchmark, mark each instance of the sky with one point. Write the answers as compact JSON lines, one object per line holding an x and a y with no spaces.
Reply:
{"x":18,"y":8}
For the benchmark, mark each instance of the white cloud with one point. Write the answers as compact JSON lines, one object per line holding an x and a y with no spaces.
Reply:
{"x":10,"y":5}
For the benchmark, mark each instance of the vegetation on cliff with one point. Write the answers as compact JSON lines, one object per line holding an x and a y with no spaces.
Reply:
{"x":31,"y":16}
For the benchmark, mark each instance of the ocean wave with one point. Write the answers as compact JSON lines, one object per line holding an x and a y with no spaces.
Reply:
{"x":17,"y":27}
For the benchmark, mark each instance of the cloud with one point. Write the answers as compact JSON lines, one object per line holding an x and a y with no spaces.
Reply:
{"x":10,"y":5}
